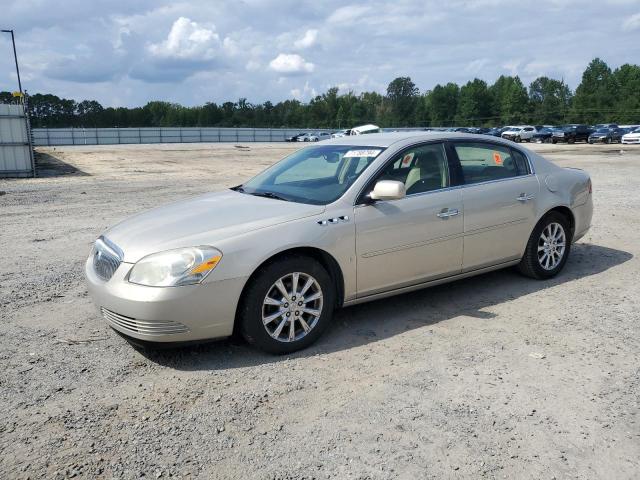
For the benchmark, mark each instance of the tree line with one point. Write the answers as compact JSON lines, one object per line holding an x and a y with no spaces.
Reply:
{"x":604,"y":95}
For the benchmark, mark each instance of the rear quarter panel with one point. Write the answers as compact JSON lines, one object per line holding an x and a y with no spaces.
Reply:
{"x":564,"y":187}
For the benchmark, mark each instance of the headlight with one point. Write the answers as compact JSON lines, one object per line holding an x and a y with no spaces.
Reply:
{"x":183,"y":266}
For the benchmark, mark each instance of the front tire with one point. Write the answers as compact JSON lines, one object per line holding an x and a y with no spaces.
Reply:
{"x":548,"y":247}
{"x":287,"y":306}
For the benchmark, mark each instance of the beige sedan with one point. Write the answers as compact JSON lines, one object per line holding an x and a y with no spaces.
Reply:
{"x":345,"y":221}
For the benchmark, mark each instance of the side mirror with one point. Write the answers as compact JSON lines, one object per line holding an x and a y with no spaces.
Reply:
{"x":388,"y":190}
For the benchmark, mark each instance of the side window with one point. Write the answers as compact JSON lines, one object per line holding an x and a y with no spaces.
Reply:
{"x":482,"y":162}
{"x":421,"y":169}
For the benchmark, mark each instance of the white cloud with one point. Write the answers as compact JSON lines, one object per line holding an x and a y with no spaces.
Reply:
{"x":305,"y":92}
{"x":631,"y":23}
{"x":252,"y":66}
{"x":476,"y":66}
{"x":291,"y":64}
{"x":308,"y":40}
{"x":187,"y":40}
{"x":512,"y":66}
{"x":348,"y":14}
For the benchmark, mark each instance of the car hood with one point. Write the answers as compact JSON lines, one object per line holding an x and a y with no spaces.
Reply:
{"x":203,"y":220}
{"x":631,"y":135}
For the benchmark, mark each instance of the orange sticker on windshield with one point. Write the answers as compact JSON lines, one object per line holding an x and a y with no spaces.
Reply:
{"x":497,"y":158}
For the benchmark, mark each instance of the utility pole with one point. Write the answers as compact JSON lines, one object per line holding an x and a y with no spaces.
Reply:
{"x":15,"y":57}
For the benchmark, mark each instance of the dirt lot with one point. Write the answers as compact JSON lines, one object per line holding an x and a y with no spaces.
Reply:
{"x":496,"y":376}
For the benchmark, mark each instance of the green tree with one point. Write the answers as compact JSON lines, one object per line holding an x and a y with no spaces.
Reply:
{"x":402,"y":94}
{"x":474,"y":104}
{"x":627,"y":78}
{"x":443,"y":104}
{"x":550,"y":100}
{"x":510,"y":100}
{"x":595,"y":97}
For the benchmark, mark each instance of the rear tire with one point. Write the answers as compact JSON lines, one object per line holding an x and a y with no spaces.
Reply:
{"x":278,"y":323}
{"x":548,"y":247}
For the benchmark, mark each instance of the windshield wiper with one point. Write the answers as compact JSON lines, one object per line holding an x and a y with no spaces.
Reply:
{"x":238,"y":188}
{"x":275,"y":196}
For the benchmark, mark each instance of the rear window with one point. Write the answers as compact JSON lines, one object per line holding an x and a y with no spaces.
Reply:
{"x":482,"y":162}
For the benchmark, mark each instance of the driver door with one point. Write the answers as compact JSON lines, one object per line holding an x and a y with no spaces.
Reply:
{"x":414,"y":239}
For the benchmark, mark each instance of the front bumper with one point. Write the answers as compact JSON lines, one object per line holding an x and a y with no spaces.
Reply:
{"x":165,"y":314}
{"x":631,"y":141}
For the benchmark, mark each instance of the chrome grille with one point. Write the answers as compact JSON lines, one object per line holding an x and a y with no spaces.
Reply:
{"x":145,"y":327}
{"x":107,"y":257}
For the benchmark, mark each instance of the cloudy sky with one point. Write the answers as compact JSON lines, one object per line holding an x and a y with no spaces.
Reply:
{"x":127,"y":52}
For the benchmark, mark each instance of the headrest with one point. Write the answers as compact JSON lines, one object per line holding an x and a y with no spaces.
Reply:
{"x":428,"y":159}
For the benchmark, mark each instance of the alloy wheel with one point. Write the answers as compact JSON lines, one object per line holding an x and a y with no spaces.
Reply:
{"x":551,"y":246}
{"x":292,"y":307}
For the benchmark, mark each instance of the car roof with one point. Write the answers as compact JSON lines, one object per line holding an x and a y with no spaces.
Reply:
{"x":387,"y":139}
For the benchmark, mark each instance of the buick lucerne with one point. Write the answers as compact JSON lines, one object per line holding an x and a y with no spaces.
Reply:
{"x":334,"y":224}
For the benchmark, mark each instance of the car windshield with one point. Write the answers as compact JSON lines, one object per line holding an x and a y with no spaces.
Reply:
{"x":317,"y":175}
{"x":602,"y":130}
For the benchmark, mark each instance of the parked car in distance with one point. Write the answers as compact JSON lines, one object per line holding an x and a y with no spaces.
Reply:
{"x":543,"y":135}
{"x":571,"y":134}
{"x":632,"y":137}
{"x":605,"y":125}
{"x":340,"y":133}
{"x":519,"y":133}
{"x":322,"y":136}
{"x":495,"y":132}
{"x":314,"y":137}
{"x":607,"y":135}
{"x":274,"y":257}
{"x":294,"y":138}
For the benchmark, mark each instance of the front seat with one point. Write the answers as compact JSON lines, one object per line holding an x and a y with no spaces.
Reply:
{"x":426,"y":174}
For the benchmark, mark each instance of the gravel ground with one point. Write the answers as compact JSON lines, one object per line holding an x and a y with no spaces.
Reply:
{"x":496,"y":376}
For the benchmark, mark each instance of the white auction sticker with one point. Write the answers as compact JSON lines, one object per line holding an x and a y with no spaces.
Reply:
{"x":362,"y":153}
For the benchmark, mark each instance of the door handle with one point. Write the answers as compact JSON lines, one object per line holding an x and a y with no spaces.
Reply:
{"x":524,"y":197}
{"x":448,"y":212}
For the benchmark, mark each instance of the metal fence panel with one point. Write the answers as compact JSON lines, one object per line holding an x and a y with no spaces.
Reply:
{"x":15,"y":149}
{"x":116,"y":136}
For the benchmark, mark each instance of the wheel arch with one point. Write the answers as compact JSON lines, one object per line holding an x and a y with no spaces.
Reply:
{"x":321,"y":256}
{"x":564,"y":211}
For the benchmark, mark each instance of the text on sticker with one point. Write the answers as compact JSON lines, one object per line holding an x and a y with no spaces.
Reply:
{"x":362,"y":153}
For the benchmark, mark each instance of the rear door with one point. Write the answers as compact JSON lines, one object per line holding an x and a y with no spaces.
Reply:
{"x":499,"y":192}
